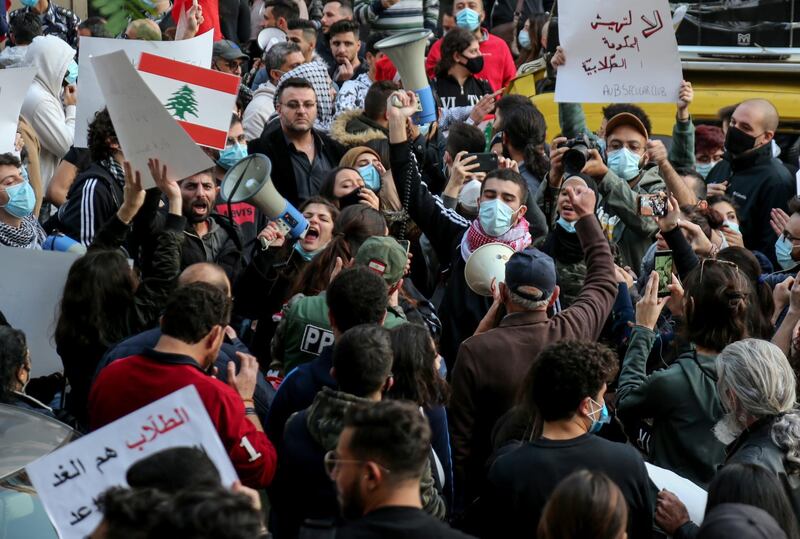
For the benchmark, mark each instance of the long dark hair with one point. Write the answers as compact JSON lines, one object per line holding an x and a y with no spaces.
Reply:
{"x":97,"y":300}
{"x":13,"y":352}
{"x":329,"y":183}
{"x":762,"y":305}
{"x":456,"y":40}
{"x":754,"y":485}
{"x":717,"y":299}
{"x":414,"y":368}
{"x":354,"y":225}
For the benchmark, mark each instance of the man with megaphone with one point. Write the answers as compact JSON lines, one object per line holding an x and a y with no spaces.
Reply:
{"x":501,"y":219}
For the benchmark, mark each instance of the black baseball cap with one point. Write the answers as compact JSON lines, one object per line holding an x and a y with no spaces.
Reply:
{"x":531,"y":274}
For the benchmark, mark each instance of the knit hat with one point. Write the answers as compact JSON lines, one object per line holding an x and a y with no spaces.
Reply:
{"x":384,"y":256}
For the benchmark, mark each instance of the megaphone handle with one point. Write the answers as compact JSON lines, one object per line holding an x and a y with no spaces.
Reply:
{"x":265,"y":243}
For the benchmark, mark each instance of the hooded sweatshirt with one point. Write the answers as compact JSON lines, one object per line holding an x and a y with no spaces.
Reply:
{"x":259,"y":110}
{"x":54,"y":123}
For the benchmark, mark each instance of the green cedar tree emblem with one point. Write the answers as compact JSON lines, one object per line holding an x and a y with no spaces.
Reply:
{"x":182,"y":103}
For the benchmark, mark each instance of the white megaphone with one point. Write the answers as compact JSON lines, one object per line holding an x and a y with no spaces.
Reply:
{"x":269,"y":37}
{"x":406,"y":50}
{"x":487,"y":263}
{"x":249,"y":181}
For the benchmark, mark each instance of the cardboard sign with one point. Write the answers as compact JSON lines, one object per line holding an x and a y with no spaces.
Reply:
{"x":70,"y":479}
{"x":196,"y":51}
{"x":31,"y":284}
{"x":201,"y":100}
{"x":14,"y":84}
{"x":623,"y":51}
{"x":144,"y":128}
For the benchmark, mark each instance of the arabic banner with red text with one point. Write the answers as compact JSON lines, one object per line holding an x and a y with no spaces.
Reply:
{"x":618,"y":51}
{"x":70,"y":479}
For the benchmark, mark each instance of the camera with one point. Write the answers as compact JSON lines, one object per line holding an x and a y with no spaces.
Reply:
{"x":578,"y":154}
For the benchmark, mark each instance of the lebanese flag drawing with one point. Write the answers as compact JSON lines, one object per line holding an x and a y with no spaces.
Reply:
{"x":201,"y":100}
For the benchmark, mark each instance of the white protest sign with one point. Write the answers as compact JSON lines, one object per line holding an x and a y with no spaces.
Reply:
{"x":31,"y":283}
{"x":195,"y":51}
{"x":692,"y":496}
{"x":144,"y":128}
{"x":201,"y":100}
{"x":69,"y":480}
{"x":617,"y":51}
{"x":14,"y":84}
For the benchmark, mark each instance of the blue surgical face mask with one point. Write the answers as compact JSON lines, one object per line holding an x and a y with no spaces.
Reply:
{"x":21,"y":200}
{"x":624,"y":163}
{"x":424,"y":129}
{"x":524,"y":39}
{"x":604,"y":418}
{"x":733,"y":226}
{"x":72,"y":72}
{"x":371,"y":177}
{"x":307,"y":255}
{"x":469,"y":19}
{"x":783,"y":252}
{"x":704,"y":168}
{"x":231,"y":155}
{"x":495,"y":217}
{"x":566,"y":225}
{"x":29,"y":3}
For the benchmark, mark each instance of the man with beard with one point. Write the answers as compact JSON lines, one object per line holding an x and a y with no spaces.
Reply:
{"x":749,"y":174}
{"x":377,"y":466}
{"x":209,"y":237}
{"x":345,"y":46}
{"x":311,"y":154}
{"x":757,"y":387}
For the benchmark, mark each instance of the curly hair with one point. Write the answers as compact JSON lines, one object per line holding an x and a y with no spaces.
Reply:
{"x":567,"y":372}
{"x":415,"y":376}
{"x":13,"y":353}
{"x":456,"y":40}
{"x":102,"y":136}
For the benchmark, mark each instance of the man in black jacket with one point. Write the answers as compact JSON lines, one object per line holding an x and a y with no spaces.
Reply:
{"x":96,"y":194}
{"x":208,"y":236}
{"x":757,"y":181}
{"x":501,"y":209}
{"x":301,"y":156}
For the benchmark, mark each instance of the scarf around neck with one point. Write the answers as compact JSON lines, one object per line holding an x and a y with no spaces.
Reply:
{"x":518,"y":237}
{"x":29,"y":234}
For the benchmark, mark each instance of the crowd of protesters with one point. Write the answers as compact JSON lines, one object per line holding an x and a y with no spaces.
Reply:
{"x":361,"y":386}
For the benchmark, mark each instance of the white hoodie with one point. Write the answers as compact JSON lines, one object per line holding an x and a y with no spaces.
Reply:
{"x":259,"y":111}
{"x":42,"y":106}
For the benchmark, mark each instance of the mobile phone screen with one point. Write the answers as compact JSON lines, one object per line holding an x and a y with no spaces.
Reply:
{"x":405,"y":244}
{"x":653,"y":205}
{"x":663,"y":266}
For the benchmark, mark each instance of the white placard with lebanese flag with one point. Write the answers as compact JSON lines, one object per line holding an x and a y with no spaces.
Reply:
{"x":70,"y":479}
{"x":196,"y":50}
{"x":201,"y":100}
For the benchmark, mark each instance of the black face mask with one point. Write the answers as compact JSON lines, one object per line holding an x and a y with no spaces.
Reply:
{"x":474,"y":65}
{"x":350,"y":198}
{"x":737,"y":141}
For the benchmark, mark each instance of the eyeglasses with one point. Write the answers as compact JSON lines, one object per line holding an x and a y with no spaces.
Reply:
{"x":294,"y":105}
{"x":332,"y":462}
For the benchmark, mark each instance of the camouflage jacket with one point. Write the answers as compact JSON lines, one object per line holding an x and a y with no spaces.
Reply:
{"x":56,"y":21}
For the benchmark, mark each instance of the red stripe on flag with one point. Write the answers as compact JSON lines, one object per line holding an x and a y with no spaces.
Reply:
{"x":205,"y":136}
{"x":191,"y":74}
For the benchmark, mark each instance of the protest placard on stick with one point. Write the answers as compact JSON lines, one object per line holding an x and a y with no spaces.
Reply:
{"x":623,"y":51}
{"x":70,"y":479}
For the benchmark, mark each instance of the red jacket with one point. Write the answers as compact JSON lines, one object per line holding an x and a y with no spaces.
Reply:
{"x":136,"y":381}
{"x":498,"y":64}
